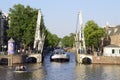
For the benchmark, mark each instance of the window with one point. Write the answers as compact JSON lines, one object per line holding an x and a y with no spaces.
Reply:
{"x":113,"y":51}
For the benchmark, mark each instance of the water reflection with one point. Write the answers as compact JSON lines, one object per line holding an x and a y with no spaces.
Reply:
{"x":62,"y":71}
{"x":97,"y":72}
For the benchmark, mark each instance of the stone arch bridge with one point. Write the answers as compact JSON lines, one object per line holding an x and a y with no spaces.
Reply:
{"x":19,"y":58}
{"x":36,"y":57}
{"x":82,"y":57}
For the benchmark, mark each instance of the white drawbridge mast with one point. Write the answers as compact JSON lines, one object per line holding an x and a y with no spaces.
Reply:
{"x":39,"y":39}
{"x":80,"y":41}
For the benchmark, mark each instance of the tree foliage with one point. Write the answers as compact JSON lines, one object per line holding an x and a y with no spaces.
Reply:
{"x":93,"y":33}
{"x":68,"y":41}
{"x":52,"y":40}
{"x":23,"y":23}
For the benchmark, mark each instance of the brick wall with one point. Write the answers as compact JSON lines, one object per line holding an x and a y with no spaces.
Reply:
{"x":15,"y":58}
{"x":106,"y":60}
{"x":115,"y":39}
{"x":19,"y":58}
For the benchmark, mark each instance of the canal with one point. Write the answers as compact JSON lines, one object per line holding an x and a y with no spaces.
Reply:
{"x":62,"y":71}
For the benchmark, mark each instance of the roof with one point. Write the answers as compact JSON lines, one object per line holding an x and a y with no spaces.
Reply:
{"x":11,"y":40}
{"x":114,"y":30}
{"x":113,"y":46}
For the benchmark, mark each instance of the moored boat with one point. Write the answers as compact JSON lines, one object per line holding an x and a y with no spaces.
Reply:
{"x":59,"y":55}
{"x":20,"y":69}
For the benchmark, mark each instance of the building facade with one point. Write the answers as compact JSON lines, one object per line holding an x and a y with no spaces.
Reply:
{"x":111,"y":43}
{"x":111,"y":50}
{"x":3,"y":30}
{"x":114,"y":33}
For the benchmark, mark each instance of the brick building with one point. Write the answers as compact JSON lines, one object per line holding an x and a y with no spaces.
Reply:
{"x":114,"y":33}
{"x":112,"y":36}
{"x":3,"y":30}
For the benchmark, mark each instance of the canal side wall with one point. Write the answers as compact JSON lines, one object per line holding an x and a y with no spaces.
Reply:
{"x":106,"y":60}
{"x":14,"y":58}
{"x":18,"y":58}
{"x":101,"y":59}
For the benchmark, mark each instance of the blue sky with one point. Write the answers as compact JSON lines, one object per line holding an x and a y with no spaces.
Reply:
{"x":60,"y":16}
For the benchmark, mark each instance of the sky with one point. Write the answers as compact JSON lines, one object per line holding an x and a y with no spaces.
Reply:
{"x":60,"y":16}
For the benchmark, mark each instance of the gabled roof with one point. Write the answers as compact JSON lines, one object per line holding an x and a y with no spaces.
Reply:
{"x":113,"y":46}
{"x":114,"y":30}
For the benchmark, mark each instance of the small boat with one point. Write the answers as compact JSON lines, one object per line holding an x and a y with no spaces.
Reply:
{"x":20,"y":69}
{"x":59,"y":55}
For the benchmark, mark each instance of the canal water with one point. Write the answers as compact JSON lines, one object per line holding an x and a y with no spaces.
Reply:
{"x":62,"y":71}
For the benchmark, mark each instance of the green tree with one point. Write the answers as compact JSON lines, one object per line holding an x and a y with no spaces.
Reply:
{"x":71,"y":39}
{"x":52,"y":40}
{"x":23,"y":24}
{"x":67,"y":41}
{"x":93,"y":33}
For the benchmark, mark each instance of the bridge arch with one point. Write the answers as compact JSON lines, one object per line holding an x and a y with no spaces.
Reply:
{"x":83,"y":58}
{"x":86,"y":60}
{"x":33,"y":58}
{"x":4,"y":61}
